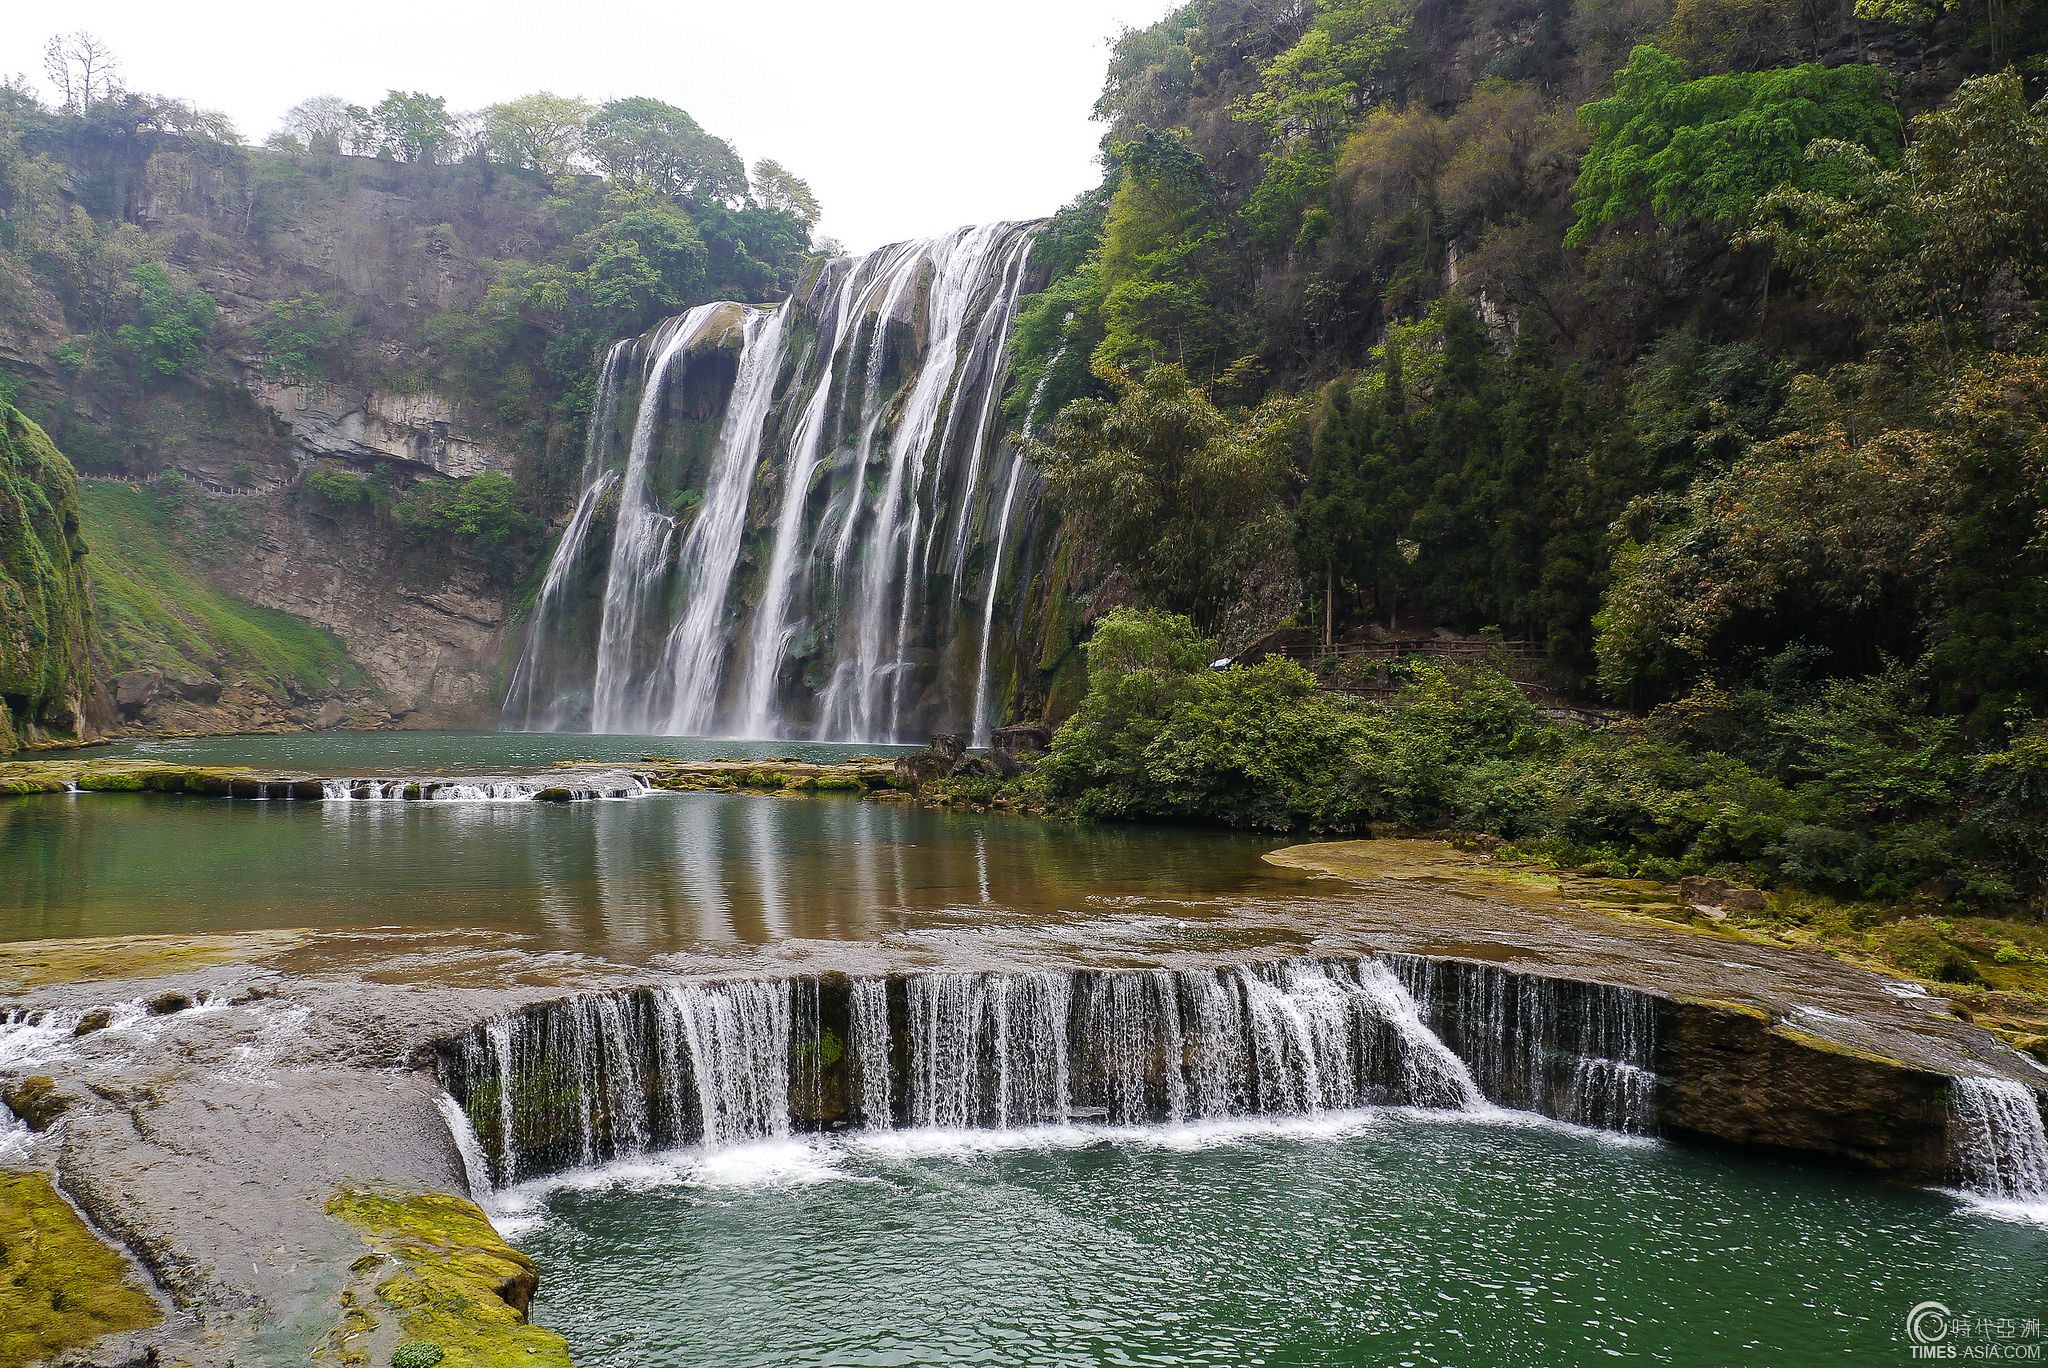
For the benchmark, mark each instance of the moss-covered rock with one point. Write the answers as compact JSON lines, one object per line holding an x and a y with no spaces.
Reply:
{"x":448,"y":1280}
{"x":45,"y":611}
{"x":61,"y":1287}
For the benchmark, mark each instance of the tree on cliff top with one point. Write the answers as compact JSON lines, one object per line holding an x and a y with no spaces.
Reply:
{"x":542,"y":132}
{"x":412,"y":126}
{"x":651,"y":145}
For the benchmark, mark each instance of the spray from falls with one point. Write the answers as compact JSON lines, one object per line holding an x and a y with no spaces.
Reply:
{"x":796,"y":551}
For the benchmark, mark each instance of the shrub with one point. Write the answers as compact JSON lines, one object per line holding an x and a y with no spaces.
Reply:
{"x":483,"y":511}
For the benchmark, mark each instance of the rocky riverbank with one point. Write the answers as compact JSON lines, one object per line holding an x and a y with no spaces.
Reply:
{"x":259,"y":1120}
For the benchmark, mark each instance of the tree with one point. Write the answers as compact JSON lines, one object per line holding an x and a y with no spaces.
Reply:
{"x":82,"y":69}
{"x":325,"y":124}
{"x":413,"y":127}
{"x":1185,"y":497}
{"x":540,"y":132}
{"x":170,"y":326}
{"x":1947,"y":251}
{"x":779,"y":191}
{"x":1710,"y":149}
{"x":648,"y":145}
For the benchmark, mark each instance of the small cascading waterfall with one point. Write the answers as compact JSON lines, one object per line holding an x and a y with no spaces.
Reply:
{"x":822,"y":565}
{"x":1997,"y":1139}
{"x":1580,"y":1052}
{"x":585,"y":1081}
{"x":578,"y":786}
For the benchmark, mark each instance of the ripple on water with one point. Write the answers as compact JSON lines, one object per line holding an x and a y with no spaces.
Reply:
{"x":1366,"y":1238}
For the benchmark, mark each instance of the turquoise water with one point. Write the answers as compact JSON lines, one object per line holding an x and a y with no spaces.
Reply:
{"x":1390,"y":1239}
{"x":379,"y":753}
{"x":667,"y":872}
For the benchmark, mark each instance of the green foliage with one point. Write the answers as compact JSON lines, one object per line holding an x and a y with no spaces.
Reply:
{"x":44,"y":607}
{"x":411,"y":126}
{"x":304,"y":338}
{"x":343,"y":490}
{"x":1184,"y":495}
{"x":644,"y":144}
{"x":1308,"y":97}
{"x":1711,"y":148}
{"x":1946,"y":251}
{"x":541,"y":132}
{"x":1854,"y":791}
{"x":171,"y":324}
{"x":484,"y":511}
{"x":417,"y":1354}
{"x":151,"y":609}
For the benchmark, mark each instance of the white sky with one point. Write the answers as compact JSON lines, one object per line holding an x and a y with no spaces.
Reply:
{"x":908,"y":117}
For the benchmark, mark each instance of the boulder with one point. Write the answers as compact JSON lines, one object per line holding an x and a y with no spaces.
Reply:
{"x":36,"y":1101}
{"x":332,"y":714}
{"x":1719,"y":896}
{"x":134,"y":690}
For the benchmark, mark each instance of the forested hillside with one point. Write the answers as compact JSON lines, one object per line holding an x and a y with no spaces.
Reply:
{"x":352,"y":365}
{"x":1701,"y":345}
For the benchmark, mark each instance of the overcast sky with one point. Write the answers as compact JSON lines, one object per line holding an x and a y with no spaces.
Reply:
{"x":908,"y":117}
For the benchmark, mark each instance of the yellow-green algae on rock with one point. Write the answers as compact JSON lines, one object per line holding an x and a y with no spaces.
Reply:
{"x":436,"y":1263}
{"x":61,"y":1286}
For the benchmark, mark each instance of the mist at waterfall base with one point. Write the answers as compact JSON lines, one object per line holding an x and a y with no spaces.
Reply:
{"x":797,"y":520}
{"x":1366,"y":1238}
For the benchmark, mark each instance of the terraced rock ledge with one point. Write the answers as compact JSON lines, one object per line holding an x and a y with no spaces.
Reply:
{"x":290,"y":1133}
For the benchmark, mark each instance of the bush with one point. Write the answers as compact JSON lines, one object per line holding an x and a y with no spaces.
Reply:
{"x":342,"y":490}
{"x":483,"y":511}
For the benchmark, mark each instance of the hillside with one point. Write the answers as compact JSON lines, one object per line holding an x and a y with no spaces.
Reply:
{"x":361,"y":355}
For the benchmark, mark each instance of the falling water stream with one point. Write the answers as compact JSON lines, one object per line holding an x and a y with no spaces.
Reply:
{"x":826,"y":559}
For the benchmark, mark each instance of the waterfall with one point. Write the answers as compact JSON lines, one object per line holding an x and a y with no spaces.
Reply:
{"x":714,"y":1064}
{"x":562,"y":787}
{"x":641,"y":534}
{"x":1996,"y":1137}
{"x":1581,"y":1052}
{"x":801,"y":553}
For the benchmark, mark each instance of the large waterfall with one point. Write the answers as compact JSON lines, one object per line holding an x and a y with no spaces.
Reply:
{"x":595,"y":1078}
{"x":796,"y":520}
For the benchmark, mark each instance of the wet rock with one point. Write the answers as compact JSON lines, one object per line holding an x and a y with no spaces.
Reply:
{"x":36,"y":1101}
{"x":168,"y":1004}
{"x":134,"y":690}
{"x":1020,"y":741}
{"x":98,"y":1019}
{"x":1718,"y":895}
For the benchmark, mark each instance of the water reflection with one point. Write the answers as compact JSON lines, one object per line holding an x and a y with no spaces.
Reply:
{"x":646,"y":876}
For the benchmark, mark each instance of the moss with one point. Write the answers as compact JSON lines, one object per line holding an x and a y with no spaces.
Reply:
{"x":457,"y":1285}
{"x":1809,"y":1040}
{"x":152,"y":610}
{"x":61,"y":1287}
{"x":33,"y":963}
{"x":44,"y":604}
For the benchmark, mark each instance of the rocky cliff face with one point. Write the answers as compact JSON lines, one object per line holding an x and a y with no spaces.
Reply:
{"x":44,"y":613}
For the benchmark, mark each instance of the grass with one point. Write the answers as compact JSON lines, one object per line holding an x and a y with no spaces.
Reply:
{"x":153,"y":611}
{"x":61,"y":1287}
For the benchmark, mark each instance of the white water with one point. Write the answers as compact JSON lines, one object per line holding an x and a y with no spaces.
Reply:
{"x":827,"y":572}
{"x":574,"y":786}
{"x":715,"y":1065}
{"x":2000,"y":1147}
